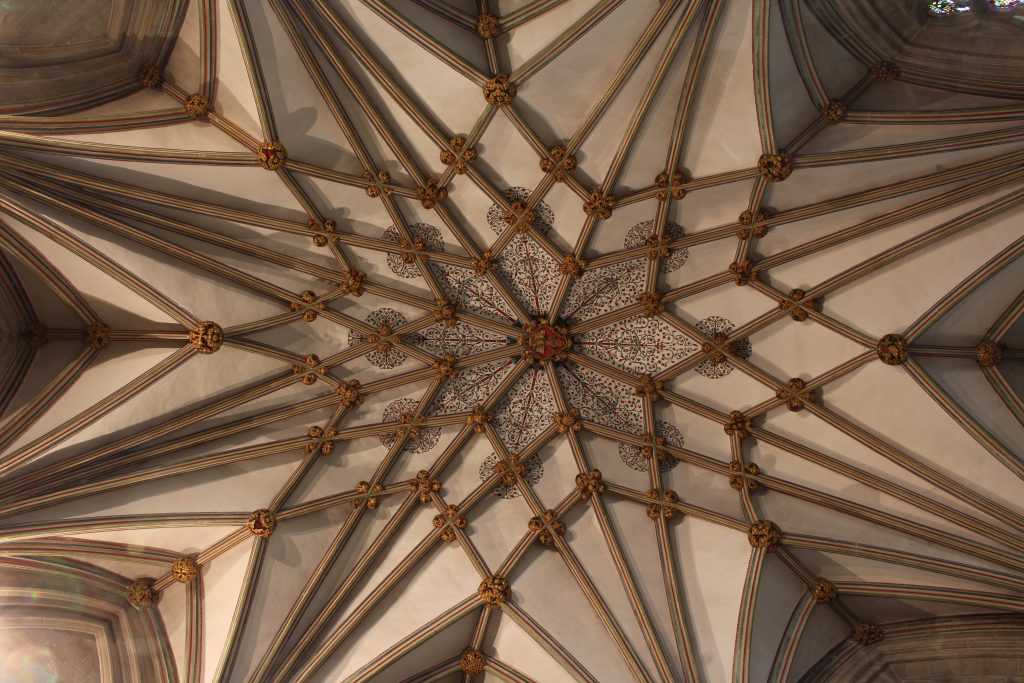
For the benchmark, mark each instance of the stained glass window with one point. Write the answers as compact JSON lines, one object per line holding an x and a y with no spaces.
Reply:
{"x":945,"y":8}
{"x":1006,"y":4}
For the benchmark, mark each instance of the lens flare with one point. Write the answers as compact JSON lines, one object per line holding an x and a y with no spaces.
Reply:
{"x":28,"y":664}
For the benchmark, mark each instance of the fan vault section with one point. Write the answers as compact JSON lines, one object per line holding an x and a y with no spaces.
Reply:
{"x":527,"y":340}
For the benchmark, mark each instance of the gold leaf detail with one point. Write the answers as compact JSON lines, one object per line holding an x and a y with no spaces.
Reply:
{"x":197,"y":106}
{"x":141,"y":594}
{"x":738,"y":424}
{"x":272,"y":155}
{"x":764,"y":533}
{"x":590,"y":484}
{"x":185,"y":569}
{"x":262,"y":523}
{"x":775,"y":167}
{"x":892,"y":349}
{"x":499,"y":91}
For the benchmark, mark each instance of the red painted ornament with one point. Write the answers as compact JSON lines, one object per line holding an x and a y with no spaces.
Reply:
{"x":547,"y":342}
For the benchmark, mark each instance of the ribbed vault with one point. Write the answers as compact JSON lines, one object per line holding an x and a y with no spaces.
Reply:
{"x":532,"y":340}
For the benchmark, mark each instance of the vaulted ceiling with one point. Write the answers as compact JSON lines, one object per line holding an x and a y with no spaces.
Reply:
{"x":524,"y":340}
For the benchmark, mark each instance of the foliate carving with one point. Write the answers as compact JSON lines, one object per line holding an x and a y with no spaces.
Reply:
{"x":151,"y":77}
{"x":383,"y":354}
{"x":410,"y":425}
{"x":568,"y":421}
{"x":379,"y":183}
{"x":892,"y":349}
{"x":764,"y":533}
{"x":775,"y":167}
{"x":448,"y":522}
{"x":738,"y":425}
{"x":649,"y":387}
{"x":352,"y":282}
{"x":590,"y":484}
{"x":542,"y":341}
{"x":494,"y":590}
{"x":663,"y":507}
{"x":262,"y":523}
{"x":885,"y":71}
{"x":530,"y":469}
{"x":558,"y":161}
{"x":548,"y":526}
{"x":484,"y":264}
{"x":747,"y":219}
{"x":518,"y":217}
{"x":988,"y":354}
{"x":207,"y":337}
{"x":422,"y":437}
{"x":308,"y":305}
{"x":324,"y":234}
{"x":417,"y":244}
{"x":350,"y":393}
{"x":718,"y":347}
{"x":799,"y":309}
{"x":824,"y":590}
{"x":472,"y":662}
{"x":369,"y":495}
{"x":572,"y":266}
{"x":499,"y":91}
{"x":311,"y":370}
{"x":461,"y":155}
{"x":185,"y":569}
{"x":659,"y":247}
{"x":653,"y":450}
{"x":741,"y":479}
{"x":197,"y":106}
{"x":272,"y":155}
{"x":445,"y":312}
{"x":381,"y":339}
{"x":426,"y":486}
{"x":444,"y":367}
{"x":96,"y":335}
{"x":663,"y":181}
{"x":868,"y":634}
{"x":384,"y":322}
{"x":141,"y":594}
{"x":510,"y":471}
{"x":644,"y":234}
{"x":651,"y":303}
{"x":542,"y":219}
{"x":834,"y":111}
{"x":796,"y":394}
{"x":487,"y":26}
{"x":743,"y":272}
{"x":322,"y":440}
{"x":479,"y":419}
{"x":430,"y":194}
{"x":598,"y":204}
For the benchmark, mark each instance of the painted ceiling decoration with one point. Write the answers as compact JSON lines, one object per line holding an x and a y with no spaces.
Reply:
{"x":521,"y":340}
